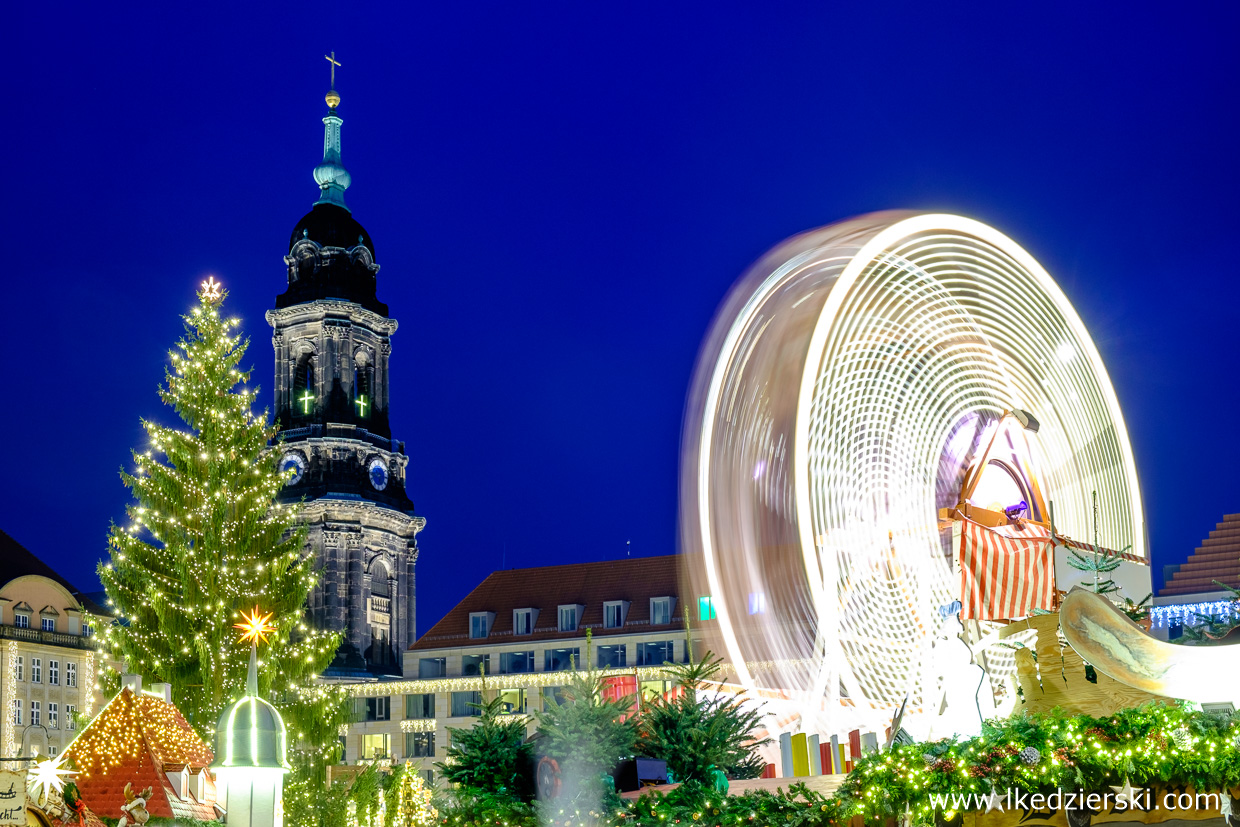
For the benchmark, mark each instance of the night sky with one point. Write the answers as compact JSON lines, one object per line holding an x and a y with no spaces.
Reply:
{"x":560,"y":196}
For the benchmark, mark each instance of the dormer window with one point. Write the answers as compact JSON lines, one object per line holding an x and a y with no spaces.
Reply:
{"x":568,"y":618}
{"x":661,"y":610}
{"x":480,"y":624}
{"x":49,"y":624}
{"x":614,"y":613}
{"x":21,"y":621}
{"x":523,"y":621}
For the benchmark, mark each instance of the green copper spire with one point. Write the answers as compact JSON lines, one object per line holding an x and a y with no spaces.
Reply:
{"x":331,"y":176}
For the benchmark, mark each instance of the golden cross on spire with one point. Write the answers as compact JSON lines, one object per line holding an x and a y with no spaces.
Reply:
{"x":332,"y":60}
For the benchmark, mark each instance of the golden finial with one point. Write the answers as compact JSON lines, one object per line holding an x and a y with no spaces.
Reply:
{"x":333,"y":99}
{"x":256,"y":627}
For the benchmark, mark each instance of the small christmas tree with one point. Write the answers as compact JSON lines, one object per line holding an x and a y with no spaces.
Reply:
{"x":413,"y":800}
{"x":206,"y":539}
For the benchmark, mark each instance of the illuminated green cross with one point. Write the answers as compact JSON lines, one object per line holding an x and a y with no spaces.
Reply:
{"x":305,"y":400}
{"x":361,"y":405}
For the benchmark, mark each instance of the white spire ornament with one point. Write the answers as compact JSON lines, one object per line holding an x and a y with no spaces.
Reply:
{"x":251,"y":744}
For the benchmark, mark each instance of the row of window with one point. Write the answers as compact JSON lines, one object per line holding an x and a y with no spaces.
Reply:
{"x":466,"y":704}
{"x":568,"y":616}
{"x":53,"y":714}
{"x":554,"y":660}
{"x":22,"y":621}
{"x":53,"y":671}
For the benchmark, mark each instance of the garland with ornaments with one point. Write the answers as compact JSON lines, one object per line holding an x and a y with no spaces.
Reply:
{"x":1172,"y":746}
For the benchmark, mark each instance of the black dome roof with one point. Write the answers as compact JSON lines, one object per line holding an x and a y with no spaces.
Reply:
{"x":331,"y":226}
{"x":341,"y":266}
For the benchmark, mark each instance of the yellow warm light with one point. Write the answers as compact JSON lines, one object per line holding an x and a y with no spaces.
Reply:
{"x":256,"y":627}
{"x":211,"y":289}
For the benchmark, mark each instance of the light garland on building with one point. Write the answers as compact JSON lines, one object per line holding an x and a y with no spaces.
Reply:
{"x":526,"y":680}
{"x":416,"y":725}
{"x":1187,"y":614}
{"x":10,"y":696}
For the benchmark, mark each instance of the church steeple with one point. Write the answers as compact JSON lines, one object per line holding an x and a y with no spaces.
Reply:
{"x":331,"y":176}
{"x":332,"y":339}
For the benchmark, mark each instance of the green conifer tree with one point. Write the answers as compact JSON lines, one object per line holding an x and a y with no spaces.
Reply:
{"x":206,"y":540}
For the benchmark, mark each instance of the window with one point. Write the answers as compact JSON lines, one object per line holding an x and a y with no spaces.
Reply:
{"x":706,"y":608}
{"x":568,"y":618}
{"x":36,"y":670}
{"x":34,"y":713}
{"x":87,"y":630}
{"x":522,"y":621}
{"x":513,"y":663}
{"x":361,"y":390}
{"x":655,"y":654}
{"x":660,"y":611}
{"x":428,"y":777}
{"x":21,"y":621}
{"x":479,"y":624}
{"x":378,"y":709}
{"x":611,"y":657}
{"x":17,"y":712}
{"x":70,"y":717}
{"x":555,"y":660}
{"x":53,"y":711}
{"x":653,"y":690}
{"x":476,"y":665}
{"x":49,"y":624}
{"x":376,"y":745}
{"x":613,"y":613}
{"x":420,"y":706}
{"x":304,"y":396}
{"x":465,"y":704}
{"x":53,"y":672}
{"x":433,"y":668}
{"x":51,"y":751}
{"x":70,"y":673}
{"x":552,"y":695}
{"x":419,"y":745}
{"x":513,"y":700}
{"x":757,"y":603}
{"x":21,"y":665}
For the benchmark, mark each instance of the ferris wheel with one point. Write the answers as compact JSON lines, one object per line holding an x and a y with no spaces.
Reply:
{"x":852,"y":382}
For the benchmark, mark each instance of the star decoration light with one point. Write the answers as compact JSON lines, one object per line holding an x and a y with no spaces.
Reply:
{"x":211,"y":289}
{"x":1127,"y":793}
{"x":256,"y":627}
{"x":48,"y":775}
{"x":995,"y":801}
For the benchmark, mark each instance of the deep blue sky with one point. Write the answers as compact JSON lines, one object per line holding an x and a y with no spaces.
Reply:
{"x":560,"y":195}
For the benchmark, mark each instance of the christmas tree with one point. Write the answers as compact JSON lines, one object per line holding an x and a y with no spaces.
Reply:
{"x":206,"y":540}
{"x":413,"y":800}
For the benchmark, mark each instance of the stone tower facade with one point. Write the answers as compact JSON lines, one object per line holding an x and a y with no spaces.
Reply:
{"x":332,"y":341}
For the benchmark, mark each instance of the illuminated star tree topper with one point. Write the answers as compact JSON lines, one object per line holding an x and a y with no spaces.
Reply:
{"x":212,"y":290}
{"x":255,"y":627}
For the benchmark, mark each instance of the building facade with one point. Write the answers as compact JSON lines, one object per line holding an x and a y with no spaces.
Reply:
{"x":516,"y":636}
{"x":332,"y":341}
{"x":47,"y":681}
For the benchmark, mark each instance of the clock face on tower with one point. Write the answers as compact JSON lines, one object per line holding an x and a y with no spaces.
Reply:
{"x":293,"y":464}
{"x":378,"y":474}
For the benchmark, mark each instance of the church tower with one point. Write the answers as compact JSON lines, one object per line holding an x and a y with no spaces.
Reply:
{"x":332,"y":340}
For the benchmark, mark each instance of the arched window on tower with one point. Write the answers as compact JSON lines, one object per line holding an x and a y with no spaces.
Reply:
{"x":362,"y":402}
{"x":380,"y":616}
{"x":305,"y":396}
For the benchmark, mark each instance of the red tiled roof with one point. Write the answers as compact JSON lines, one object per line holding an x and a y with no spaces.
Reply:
{"x":546,"y":588}
{"x":137,"y":740}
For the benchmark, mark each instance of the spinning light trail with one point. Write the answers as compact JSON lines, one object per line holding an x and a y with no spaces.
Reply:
{"x":849,"y":381}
